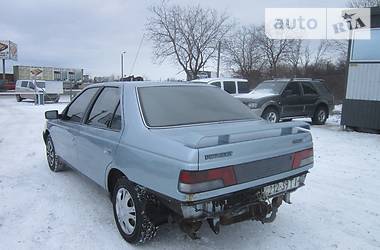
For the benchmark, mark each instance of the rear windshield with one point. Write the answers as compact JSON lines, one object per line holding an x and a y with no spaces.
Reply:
{"x":164,"y":106}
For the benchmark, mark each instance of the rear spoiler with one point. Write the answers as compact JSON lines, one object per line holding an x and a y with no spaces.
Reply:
{"x":260,"y":132}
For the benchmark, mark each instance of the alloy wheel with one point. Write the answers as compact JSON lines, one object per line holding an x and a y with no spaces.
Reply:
{"x":125,"y":211}
{"x":272,"y":117}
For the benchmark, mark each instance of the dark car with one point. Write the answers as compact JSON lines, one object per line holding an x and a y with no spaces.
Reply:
{"x":284,"y":99}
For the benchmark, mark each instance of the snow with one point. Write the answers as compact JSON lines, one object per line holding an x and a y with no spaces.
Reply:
{"x":337,"y":209}
{"x":254,"y":94}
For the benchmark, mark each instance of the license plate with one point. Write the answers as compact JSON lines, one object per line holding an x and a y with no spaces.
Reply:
{"x":283,"y":186}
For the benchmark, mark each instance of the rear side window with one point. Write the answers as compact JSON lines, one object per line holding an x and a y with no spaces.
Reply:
{"x":217,"y":84}
{"x":294,"y":87}
{"x":322,"y":88}
{"x":31,"y":85}
{"x":40,"y":84}
{"x":104,"y":108}
{"x":230,"y":87}
{"x":243,"y":87}
{"x":308,"y":89}
{"x":78,"y":107}
{"x":24,"y":84}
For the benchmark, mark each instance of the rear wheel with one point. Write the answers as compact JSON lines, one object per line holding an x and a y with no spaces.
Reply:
{"x":271,"y":115}
{"x":131,"y":218}
{"x":320,"y":115}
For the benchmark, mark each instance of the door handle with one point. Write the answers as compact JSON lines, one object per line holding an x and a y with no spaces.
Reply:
{"x":107,"y":151}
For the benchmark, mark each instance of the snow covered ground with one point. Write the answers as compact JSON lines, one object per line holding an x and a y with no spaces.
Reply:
{"x":339,"y":208}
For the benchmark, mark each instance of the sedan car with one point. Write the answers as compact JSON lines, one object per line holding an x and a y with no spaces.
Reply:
{"x":180,"y":152}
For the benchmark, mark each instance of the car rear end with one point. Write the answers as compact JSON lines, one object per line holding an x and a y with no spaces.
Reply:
{"x":246,"y":166}
{"x":246,"y":175}
{"x":325,"y":93}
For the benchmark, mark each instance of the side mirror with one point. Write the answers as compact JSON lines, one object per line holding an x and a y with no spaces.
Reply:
{"x":51,"y":114}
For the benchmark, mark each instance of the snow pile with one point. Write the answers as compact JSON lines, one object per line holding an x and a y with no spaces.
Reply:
{"x":338,"y":207}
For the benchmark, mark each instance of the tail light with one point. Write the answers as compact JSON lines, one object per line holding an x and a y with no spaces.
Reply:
{"x":201,"y":181}
{"x":303,"y":158}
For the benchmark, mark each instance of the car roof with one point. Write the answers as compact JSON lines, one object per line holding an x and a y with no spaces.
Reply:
{"x":207,"y":80}
{"x":144,"y":84}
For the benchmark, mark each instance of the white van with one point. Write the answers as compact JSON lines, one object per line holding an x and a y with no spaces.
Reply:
{"x":26,"y":89}
{"x":233,"y":86}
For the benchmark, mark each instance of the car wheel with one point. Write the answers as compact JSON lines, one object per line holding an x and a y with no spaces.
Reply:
{"x":18,"y":98}
{"x":132,"y":221}
{"x":271,"y":115}
{"x":320,"y":116}
{"x":52,"y":158}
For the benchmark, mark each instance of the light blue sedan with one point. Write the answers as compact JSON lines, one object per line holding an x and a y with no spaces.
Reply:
{"x":178,"y":151}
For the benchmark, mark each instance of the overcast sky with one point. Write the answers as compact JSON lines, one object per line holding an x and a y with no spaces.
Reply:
{"x":90,"y":34}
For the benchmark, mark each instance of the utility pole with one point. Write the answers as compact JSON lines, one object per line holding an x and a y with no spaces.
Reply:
{"x":4,"y":69}
{"x":122,"y":66}
{"x":217,"y":69}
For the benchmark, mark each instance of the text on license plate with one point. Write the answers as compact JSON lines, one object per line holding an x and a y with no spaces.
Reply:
{"x":283,"y":186}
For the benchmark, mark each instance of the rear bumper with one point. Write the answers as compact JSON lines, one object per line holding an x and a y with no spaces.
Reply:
{"x":246,"y":185}
{"x":231,"y":205}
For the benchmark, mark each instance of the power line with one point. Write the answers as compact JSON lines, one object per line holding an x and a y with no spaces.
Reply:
{"x":137,"y":54}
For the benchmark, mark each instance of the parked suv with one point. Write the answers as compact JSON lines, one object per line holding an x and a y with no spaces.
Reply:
{"x":233,"y":86}
{"x":184,"y":152}
{"x":284,"y":99}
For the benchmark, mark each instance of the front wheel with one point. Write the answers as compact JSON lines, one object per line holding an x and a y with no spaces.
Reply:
{"x":18,"y":98}
{"x":271,"y":115}
{"x":53,"y":162}
{"x":320,"y":116}
{"x":131,"y":219}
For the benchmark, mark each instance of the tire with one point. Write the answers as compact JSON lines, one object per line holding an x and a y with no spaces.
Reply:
{"x":271,"y":115}
{"x":129,"y":202}
{"x":18,"y":98}
{"x":287,"y":120}
{"x":320,"y":116}
{"x":54,"y":164}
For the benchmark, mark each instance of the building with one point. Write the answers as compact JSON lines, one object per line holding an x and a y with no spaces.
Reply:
{"x":48,"y":73}
{"x":361,"y":106}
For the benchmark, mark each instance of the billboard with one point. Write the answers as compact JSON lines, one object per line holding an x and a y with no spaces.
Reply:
{"x":8,"y":50}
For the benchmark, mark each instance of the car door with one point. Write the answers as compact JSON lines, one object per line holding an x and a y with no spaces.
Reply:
{"x":100,"y":134}
{"x":309,"y":97}
{"x":291,"y":100}
{"x":67,"y":130}
{"x":28,"y":89}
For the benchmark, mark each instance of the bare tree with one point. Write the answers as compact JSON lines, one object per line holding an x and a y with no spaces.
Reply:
{"x":294,"y":55}
{"x":363,"y":3}
{"x":321,"y":52}
{"x":187,"y":35}
{"x":305,"y":59}
{"x":275,"y":50}
{"x":243,"y":51}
